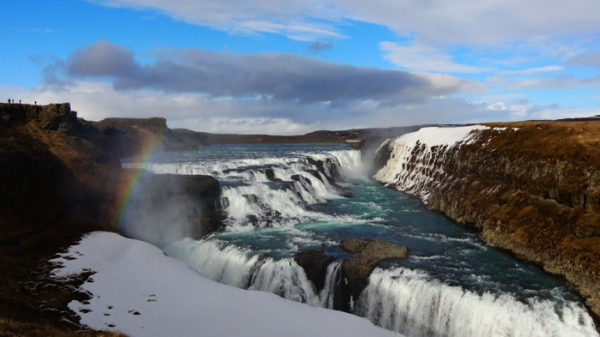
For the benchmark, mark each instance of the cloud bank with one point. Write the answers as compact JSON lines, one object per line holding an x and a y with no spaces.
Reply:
{"x":267,"y":76}
{"x":268,"y":93}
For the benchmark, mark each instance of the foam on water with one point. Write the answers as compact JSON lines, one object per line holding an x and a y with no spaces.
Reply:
{"x":278,"y":218}
{"x":409,"y":302}
{"x":240,"y":268}
{"x":257,"y":202}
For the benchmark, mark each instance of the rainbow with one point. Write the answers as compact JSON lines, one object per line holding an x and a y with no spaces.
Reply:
{"x":131,"y":179}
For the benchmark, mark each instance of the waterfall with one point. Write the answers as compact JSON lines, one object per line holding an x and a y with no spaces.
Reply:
{"x":267,"y":197}
{"x":239,"y":268}
{"x":409,"y":302}
{"x":272,"y":192}
{"x":332,"y":280}
{"x":416,"y":159}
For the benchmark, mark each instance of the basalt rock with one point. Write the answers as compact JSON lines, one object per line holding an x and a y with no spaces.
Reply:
{"x":381,"y":157}
{"x":318,"y":163}
{"x":300,"y":178}
{"x":314,"y":263}
{"x":532,"y":188}
{"x":356,"y":271}
{"x":271,"y":175}
{"x":52,"y":117}
{"x":341,"y":190}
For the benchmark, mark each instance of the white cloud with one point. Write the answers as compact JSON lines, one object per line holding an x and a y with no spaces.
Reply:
{"x":447,"y":84}
{"x":541,"y":83}
{"x":482,"y":22}
{"x":269,"y":126}
{"x":522,"y":109}
{"x":298,"y":19}
{"x":560,"y":113}
{"x":437,"y":22}
{"x":298,"y":31}
{"x":532,"y":71}
{"x":423,"y":58}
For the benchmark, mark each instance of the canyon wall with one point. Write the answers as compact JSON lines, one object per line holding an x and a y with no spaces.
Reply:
{"x":532,"y":188}
{"x":61,"y":177}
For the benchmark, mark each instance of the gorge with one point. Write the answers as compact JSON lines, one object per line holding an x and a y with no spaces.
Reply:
{"x":528,"y":188}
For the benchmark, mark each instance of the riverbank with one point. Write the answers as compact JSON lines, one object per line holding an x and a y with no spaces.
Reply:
{"x":532,"y":188}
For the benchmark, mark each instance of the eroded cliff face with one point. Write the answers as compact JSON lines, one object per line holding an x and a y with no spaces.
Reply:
{"x":51,"y":157}
{"x":59,"y":179}
{"x":532,"y":188}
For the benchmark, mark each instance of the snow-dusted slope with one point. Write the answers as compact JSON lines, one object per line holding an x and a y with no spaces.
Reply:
{"x":141,"y":292}
{"x":415,"y":164}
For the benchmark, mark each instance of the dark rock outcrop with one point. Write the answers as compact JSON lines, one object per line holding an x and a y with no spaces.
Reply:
{"x":314,"y":263}
{"x":356,"y":271}
{"x":270,"y":174}
{"x":61,"y":177}
{"x":164,"y":204}
{"x":381,"y":157}
{"x":334,"y":173}
{"x":299,"y":178}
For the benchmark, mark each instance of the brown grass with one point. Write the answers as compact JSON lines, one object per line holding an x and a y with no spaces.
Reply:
{"x":536,"y":192}
{"x":11,"y":328}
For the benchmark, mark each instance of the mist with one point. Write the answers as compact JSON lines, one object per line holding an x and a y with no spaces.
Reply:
{"x":167,"y":208}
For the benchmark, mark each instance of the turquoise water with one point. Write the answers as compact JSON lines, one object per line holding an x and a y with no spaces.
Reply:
{"x":445,"y":259}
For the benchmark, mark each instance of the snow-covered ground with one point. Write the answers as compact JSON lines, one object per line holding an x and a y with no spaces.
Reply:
{"x":140,"y":291}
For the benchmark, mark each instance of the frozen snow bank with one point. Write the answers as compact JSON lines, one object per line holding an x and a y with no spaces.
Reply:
{"x":141,"y":292}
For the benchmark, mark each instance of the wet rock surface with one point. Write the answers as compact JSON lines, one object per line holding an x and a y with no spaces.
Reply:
{"x":270,"y":174}
{"x":314,"y":263}
{"x":356,"y":271}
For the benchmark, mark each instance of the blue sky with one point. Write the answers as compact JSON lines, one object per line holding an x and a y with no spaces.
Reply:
{"x":297,"y":66}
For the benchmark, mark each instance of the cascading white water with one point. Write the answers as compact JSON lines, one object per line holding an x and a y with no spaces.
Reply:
{"x":418,"y":177}
{"x":254,"y":201}
{"x":403,"y":300}
{"x":332,"y":280}
{"x":286,"y":279}
{"x":236,"y":267}
{"x":229,"y":265}
{"x":409,"y":302}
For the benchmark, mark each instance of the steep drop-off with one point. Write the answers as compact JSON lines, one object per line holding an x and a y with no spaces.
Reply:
{"x":532,"y":188}
{"x":61,"y":177}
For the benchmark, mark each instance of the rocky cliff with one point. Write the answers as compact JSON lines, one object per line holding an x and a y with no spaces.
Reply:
{"x":61,"y":177}
{"x":532,"y":188}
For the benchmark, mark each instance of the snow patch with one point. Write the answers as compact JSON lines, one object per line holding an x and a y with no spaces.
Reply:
{"x":140,"y":291}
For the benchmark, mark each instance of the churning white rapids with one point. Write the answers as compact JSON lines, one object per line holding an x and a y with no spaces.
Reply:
{"x":281,"y":199}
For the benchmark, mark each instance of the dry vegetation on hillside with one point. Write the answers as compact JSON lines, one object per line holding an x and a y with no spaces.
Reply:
{"x":533,"y":189}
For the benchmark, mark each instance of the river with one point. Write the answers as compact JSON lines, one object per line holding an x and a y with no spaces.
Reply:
{"x":279,"y":203}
